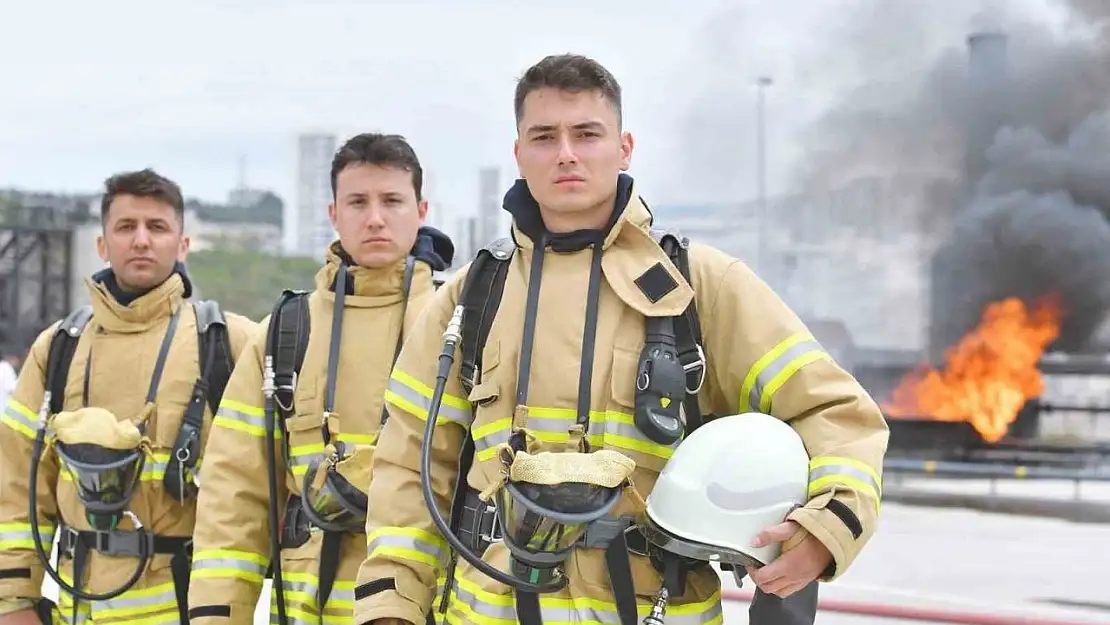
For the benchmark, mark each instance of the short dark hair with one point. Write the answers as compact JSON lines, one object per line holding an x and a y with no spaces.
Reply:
{"x":372,"y":148}
{"x":142,"y":183}
{"x":568,"y":72}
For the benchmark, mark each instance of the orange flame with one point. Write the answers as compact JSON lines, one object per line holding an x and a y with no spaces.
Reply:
{"x":989,"y":375}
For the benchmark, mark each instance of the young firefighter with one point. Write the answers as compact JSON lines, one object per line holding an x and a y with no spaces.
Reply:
{"x":329,"y":353}
{"x":133,"y":383}
{"x":563,"y":368}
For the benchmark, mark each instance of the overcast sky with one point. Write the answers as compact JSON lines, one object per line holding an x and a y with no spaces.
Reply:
{"x":90,"y":88}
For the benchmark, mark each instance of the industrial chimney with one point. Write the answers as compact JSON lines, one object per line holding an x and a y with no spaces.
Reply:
{"x":986,"y":112}
{"x":988,"y":98}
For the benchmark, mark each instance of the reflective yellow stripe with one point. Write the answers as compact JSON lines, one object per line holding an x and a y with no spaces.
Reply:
{"x":302,"y":588}
{"x":775,"y":368}
{"x":301,"y":456}
{"x":608,"y":429}
{"x":20,"y":418}
{"x":828,"y":471}
{"x":407,"y":543}
{"x":472,"y":605}
{"x":154,"y":468}
{"x":489,"y":435}
{"x":414,"y":397}
{"x":146,"y":606}
{"x":233,"y":415}
{"x":19,"y":536}
{"x":225,"y":563}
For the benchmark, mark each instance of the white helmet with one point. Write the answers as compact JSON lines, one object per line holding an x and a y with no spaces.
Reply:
{"x":730,"y":479}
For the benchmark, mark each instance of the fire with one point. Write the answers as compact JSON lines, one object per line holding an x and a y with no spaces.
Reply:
{"x":990,"y":374}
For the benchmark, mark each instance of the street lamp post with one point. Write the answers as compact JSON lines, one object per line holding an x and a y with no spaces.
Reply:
{"x":761,"y":171}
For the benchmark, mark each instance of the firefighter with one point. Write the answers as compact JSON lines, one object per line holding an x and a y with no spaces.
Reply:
{"x":313,"y":382}
{"x":104,"y":432}
{"x":589,"y":331}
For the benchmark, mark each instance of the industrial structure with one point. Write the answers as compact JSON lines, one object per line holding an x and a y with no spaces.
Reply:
{"x":36,"y":265}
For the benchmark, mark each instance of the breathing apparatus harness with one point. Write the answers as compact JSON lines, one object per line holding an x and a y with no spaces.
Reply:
{"x":105,"y":478}
{"x":671,"y":372}
{"x":328,"y":502}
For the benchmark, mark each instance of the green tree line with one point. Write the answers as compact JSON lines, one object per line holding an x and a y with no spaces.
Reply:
{"x":248,"y":282}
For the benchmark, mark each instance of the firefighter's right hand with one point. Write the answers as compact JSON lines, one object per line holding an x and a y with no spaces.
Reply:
{"x":21,"y":617}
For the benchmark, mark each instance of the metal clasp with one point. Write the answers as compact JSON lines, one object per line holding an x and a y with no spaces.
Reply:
{"x":700,"y":364}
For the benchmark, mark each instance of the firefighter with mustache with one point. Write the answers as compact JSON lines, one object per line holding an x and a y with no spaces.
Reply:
{"x":105,"y":432}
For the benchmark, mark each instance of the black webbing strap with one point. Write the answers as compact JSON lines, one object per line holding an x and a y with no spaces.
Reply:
{"x":687,"y":335}
{"x":480,"y":298}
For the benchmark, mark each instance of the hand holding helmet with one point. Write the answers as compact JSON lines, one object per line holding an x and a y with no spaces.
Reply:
{"x":803,"y":559}
{"x":731,"y":479}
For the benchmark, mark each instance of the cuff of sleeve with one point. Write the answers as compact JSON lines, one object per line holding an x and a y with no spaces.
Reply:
{"x":827,"y":527}
{"x":234,"y":614}
{"x":388,"y":605}
{"x":389,"y":598}
{"x":21,"y":582}
{"x":18,"y":604}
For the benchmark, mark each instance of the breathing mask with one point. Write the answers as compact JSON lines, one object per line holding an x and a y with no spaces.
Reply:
{"x":332,"y":501}
{"x":547,"y":500}
{"x":105,"y":458}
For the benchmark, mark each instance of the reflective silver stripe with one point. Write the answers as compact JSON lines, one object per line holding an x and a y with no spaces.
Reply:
{"x":155,"y":468}
{"x":201,"y":564}
{"x":19,"y":536}
{"x":138,"y":603}
{"x":566,"y":610}
{"x":233,"y":415}
{"x":386,"y":543}
{"x":412,"y":395}
{"x":489,"y":435}
{"x":771,"y":371}
{"x":607,"y":428}
{"x":20,"y":418}
{"x":309,"y":588}
{"x":298,"y":463}
{"x":827,"y":471}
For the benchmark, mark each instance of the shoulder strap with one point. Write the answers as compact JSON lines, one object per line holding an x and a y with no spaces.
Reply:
{"x":62,"y":347}
{"x":480,"y":298}
{"x":688,"y":338}
{"x":215,"y":350}
{"x":292,"y":316}
{"x":214,"y":363}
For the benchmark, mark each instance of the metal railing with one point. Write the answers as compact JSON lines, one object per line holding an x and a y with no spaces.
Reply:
{"x":946,"y":468}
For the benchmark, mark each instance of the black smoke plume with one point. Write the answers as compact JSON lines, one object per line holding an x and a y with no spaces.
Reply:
{"x":1021,"y":205}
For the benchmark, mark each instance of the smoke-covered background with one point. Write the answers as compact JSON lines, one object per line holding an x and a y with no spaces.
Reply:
{"x":1014,"y":159}
{"x":1010,"y":165}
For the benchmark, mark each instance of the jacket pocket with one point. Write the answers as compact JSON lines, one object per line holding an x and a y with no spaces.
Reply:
{"x":493,"y":410}
{"x":151,"y":597}
{"x":305,"y":443}
{"x":618,"y":429}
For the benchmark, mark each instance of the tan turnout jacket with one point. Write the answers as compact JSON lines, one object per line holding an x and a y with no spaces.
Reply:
{"x":124,"y":342}
{"x":760,"y":357}
{"x":232,"y":537}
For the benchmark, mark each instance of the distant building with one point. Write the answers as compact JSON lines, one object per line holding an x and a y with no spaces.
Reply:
{"x":855,"y":255}
{"x":307,"y":228}
{"x":490,"y":193}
